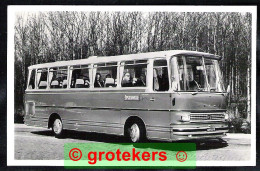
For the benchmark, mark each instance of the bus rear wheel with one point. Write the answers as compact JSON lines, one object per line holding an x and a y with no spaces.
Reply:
{"x":57,"y":128}
{"x":136,"y":132}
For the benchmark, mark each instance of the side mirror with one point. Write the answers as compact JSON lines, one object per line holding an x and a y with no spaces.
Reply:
{"x":228,"y":89}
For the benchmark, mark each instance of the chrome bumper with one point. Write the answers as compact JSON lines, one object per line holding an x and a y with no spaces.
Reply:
{"x":198,"y":131}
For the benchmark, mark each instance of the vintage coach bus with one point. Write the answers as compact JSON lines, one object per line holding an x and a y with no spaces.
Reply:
{"x":167,"y":95}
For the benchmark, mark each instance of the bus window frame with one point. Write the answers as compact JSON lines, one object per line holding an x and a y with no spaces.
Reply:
{"x":169,"y":74}
{"x":60,"y":68}
{"x":29,"y":78}
{"x":185,"y":68}
{"x":120,"y":64}
{"x":95,"y":67}
{"x":134,"y":64}
{"x":36,"y":84}
{"x":69,"y":77}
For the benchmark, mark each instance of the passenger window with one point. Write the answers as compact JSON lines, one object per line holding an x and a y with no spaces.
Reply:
{"x":134,"y":74}
{"x":58,"y":77}
{"x":80,"y":77}
{"x":32,"y":80}
{"x":42,"y":78}
{"x":106,"y":75}
{"x":160,"y":76}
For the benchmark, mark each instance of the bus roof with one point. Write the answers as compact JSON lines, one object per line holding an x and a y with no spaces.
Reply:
{"x":138,"y":56}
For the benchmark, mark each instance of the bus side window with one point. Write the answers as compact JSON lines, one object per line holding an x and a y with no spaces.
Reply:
{"x":42,"y":78}
{"x":63,"y":76}
{"x":79,"y":77}
{"x":106,"y":75}
{"x":58,"y":77}
{"x":134,"y":74}
{"x":32,"y":80}
{"x":160,"y":75}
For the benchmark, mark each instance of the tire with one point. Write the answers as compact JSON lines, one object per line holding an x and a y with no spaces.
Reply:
{"x":57,"y":128}
{"x":136,"y":132}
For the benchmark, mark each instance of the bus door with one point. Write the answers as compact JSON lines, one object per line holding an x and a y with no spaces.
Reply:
{"x":158,"y":101}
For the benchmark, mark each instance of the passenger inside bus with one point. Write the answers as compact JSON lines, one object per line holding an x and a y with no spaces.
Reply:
{"x":161,"y":81}
{"x":194,"y":85}
{"x":126,"y":82}
{"x":98,"y":81}
{"x":164,"y":80}
{"x":141,"y":81}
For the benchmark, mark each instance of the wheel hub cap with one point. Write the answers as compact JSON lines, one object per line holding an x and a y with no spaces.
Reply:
{"x":134,"y":133}
{"x":57,"y":126}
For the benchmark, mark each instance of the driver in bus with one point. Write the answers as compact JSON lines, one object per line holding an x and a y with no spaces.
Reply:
{"x":194,"y":85}
{"x":98,"y":81}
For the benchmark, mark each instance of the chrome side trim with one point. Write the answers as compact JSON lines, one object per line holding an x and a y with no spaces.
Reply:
{"x":200,"y":128}
{"x":112,"y":108}
{"x":200,"y":133}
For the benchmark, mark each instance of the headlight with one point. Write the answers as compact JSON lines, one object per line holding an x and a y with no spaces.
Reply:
{"x":226,"y":116}
{"x":185,"y":118}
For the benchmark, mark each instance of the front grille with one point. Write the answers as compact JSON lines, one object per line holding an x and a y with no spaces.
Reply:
{"x":207,"y":117}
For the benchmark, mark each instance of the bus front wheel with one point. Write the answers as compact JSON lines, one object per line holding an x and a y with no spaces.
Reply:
{"x":57,"y":128}
{"x":136,"y":132}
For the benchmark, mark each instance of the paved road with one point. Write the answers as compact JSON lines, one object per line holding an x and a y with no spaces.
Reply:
{"x":39,"y":144}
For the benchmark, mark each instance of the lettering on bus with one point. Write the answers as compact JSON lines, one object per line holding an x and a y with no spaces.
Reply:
{"x":132,"y":98}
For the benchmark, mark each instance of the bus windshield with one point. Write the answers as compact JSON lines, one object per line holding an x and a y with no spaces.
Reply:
{"x":191,"y":73}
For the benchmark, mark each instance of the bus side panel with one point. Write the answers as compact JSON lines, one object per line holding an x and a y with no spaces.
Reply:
{"x":153,"y":109}
{"x":92,"y":120}
{"x":84,"y":111}
{"x":106,"y":112}
{"x":156,"y":123}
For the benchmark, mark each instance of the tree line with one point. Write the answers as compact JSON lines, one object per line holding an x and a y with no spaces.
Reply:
{"x":53,"y":36}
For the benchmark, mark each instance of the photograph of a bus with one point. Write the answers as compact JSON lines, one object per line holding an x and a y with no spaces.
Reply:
{"x":166,"y":95}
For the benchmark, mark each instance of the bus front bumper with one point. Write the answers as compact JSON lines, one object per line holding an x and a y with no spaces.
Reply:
{"x":202,"y":131}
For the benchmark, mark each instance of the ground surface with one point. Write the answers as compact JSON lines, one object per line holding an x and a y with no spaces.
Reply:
{"x":40,"y":144}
